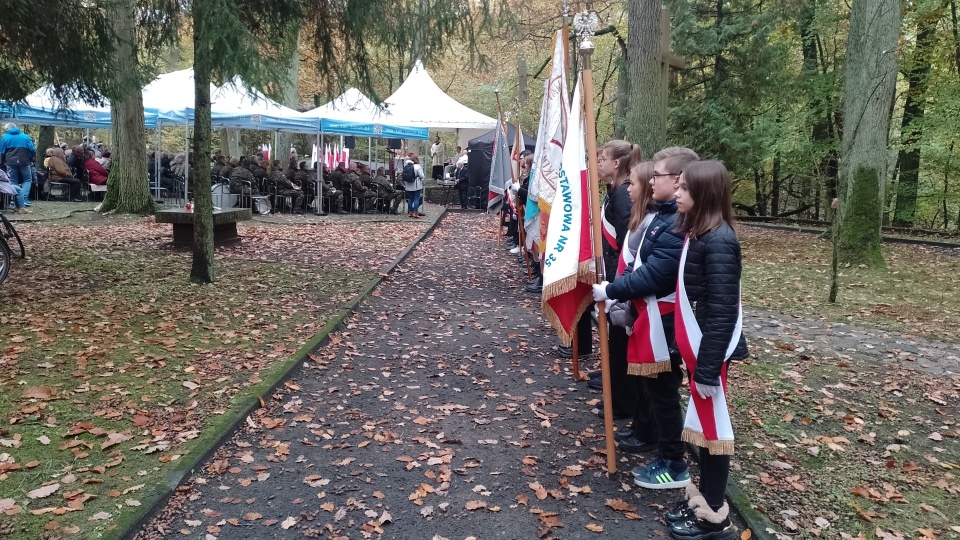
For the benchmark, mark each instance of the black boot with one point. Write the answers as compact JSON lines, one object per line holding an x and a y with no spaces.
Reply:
{"x":536,"y":286}
{"x":682,"y":510}
{"x":705,"y":524}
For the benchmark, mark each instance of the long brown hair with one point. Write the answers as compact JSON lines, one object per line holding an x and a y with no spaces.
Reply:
{"x":629,"y":155}
{"x":709,"y":185}
{"x":643,"y":172}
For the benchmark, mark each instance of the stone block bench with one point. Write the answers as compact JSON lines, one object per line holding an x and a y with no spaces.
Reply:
{"x":224,"y":225}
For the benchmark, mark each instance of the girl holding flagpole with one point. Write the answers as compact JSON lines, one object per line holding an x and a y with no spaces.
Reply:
{"x":616,"y":159}
{"x":708,"y":336}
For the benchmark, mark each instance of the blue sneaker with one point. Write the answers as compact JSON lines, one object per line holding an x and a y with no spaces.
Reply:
{"x":662,"y":474}
{"x":642,"y":469}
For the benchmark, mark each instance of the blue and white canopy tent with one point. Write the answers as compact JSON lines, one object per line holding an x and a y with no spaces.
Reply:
{"x":353,"y":113}
{"x":39,"y":108}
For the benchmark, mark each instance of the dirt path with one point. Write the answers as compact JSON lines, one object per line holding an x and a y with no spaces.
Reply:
{"x":441,"y":410}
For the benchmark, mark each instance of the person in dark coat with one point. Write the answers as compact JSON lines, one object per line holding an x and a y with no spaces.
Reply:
{"x":708,"y":304}
{"x":659,"y":418}
{"x":615,"y":160}
{"x":462,"y":173}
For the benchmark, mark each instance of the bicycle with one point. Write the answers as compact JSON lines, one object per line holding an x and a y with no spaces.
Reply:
{"x":7,"y":234}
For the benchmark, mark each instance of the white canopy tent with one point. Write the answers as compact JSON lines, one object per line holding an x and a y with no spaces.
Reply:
{"x":353,"y":113}
{"x":420,"y":102}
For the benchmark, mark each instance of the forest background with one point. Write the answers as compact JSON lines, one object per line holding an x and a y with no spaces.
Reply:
{"x":761,"y":89}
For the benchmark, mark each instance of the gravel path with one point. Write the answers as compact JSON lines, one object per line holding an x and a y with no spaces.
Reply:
{"x":441,"y":411}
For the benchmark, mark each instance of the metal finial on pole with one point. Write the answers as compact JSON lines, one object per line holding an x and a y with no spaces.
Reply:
{"x":586,"y":24}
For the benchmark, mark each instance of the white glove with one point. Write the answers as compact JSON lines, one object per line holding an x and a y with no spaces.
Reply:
{"x":609,"y":304}
{"x":514,"y":187}
{"x":707,"y":391}
{"x":600,"y":291}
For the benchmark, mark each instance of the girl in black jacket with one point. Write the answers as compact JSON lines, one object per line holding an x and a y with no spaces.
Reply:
{"x":616,"y":159}
{"x":707,"y":337}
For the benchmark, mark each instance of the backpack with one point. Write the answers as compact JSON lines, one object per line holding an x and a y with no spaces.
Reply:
{"x":409,"y":173}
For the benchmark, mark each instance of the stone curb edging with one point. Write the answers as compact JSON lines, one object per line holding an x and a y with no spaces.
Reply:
{"x":49,"y":218}
{"x":758,"y":523}
{"x":152,"y":503}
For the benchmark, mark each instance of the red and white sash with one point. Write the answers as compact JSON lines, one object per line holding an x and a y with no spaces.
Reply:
{"x":647,"y":351}
{"x":707,"y":423}
{"x":609,"y":231}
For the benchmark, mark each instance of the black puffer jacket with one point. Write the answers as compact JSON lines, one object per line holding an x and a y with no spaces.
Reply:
{"x":712,"y":280}
{"x":660,"y":254}
{"x":617,"y":208}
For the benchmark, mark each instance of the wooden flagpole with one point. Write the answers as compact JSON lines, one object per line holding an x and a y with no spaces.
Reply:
{"x":586,"y":23}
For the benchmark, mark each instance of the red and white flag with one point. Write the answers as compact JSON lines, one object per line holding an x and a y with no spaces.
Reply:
{"x":567,"y":270}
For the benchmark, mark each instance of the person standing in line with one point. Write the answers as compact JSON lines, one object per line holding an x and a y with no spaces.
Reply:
{"x":18,"y":152}
{"x":709,"y":332}
{"x":652,"y":358}
{"x":615,"y":160}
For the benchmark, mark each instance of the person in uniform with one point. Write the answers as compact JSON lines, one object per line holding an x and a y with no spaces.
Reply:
{"x":286,"y":188}
{"x":238,"y":175}
{"x":228,"y":168}
{"x":357,"y":189}
{"x":386,"y":191}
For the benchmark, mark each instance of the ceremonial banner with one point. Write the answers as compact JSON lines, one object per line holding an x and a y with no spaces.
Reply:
{"x":548,"y":153}
{"x":499,"y":169}
{"x":567,"y":272}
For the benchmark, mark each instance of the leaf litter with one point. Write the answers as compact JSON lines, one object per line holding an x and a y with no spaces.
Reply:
{"x":116,"y":364}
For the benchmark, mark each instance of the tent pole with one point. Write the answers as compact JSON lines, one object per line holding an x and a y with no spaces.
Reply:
{"x":319,"y":186}
{"x":186,"y":159}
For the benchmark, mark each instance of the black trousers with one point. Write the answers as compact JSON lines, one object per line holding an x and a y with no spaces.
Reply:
{"x":624,"y":390}
{"x":714,"y":471}
{"x":464,"y":199}
{"x":662,"y":397}
{"x":584,"y":331}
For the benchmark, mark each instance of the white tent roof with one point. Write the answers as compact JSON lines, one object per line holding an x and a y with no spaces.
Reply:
{"x":351,"y":103}
{"x":171,"y":93}
{"x":420,"y":102}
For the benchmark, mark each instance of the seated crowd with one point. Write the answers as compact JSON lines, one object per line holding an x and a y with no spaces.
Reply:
{"x":353,"y":188}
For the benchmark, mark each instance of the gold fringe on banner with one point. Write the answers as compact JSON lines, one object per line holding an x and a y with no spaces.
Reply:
{"x":555,"y":289}
{"x":717,"y":448}
{"x":649,"y":369}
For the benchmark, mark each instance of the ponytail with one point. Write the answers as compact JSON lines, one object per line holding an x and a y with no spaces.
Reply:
{"x":629,"y":155}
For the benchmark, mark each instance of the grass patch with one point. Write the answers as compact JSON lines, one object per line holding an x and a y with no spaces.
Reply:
{"x":116,"y":367}
{"x":919,"y":292}
{"x":833,"y":442}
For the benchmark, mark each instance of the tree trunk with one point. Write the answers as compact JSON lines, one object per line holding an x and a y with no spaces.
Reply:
{"x":290,"y":98}
{"x":230,"y":142}
{"x":44,"y":141}
{"x":128,"y":187}
{"x":646,"y":111}
{"x":623,"y":95}
{"x":870,"y":82}
{"x":908,"y":162}
{"x":203,"y":21}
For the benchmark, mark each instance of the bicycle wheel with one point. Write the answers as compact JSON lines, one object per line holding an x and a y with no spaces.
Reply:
{"x":8,"y":233}
{"x":4,"y":260}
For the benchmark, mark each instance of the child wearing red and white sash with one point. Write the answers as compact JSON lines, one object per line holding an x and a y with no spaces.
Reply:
{"x":614,"y":162}
{"x":650,"y":285}
{"x":708,"y":327}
